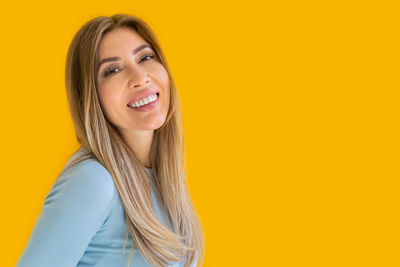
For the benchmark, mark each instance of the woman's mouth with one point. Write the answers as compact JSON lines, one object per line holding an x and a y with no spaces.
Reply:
{"x":146,"y":103}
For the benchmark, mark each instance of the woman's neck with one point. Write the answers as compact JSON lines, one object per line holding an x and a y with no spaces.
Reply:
{"x":140,"y":144}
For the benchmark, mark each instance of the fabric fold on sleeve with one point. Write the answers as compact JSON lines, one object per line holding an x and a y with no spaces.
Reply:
{"x":73,"y":211}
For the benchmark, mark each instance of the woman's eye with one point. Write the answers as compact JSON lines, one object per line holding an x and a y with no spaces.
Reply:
{"x":111,"y":71}
{"x":147,"y":56}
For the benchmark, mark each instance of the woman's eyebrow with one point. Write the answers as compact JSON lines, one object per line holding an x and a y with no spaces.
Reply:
{"x":111,"y":59}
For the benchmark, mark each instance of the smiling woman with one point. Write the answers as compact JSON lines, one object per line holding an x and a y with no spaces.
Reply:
{"x":125,"y":186}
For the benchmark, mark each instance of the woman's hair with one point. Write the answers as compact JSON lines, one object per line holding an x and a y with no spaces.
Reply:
{"x":158,"y":244}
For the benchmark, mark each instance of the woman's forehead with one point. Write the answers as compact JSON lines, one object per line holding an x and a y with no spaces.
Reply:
{"x":120,"y":38}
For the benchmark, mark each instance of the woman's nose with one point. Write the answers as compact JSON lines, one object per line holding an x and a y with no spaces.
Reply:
{"x":138,"y":76}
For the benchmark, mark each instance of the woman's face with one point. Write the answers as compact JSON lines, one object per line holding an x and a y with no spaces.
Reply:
{"x":130,"y":72}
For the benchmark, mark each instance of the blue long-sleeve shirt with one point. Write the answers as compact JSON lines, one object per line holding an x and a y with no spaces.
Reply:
{"x":82,"y":222}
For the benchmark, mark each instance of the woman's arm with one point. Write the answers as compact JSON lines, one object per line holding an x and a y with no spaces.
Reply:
{"x":75,"y":208}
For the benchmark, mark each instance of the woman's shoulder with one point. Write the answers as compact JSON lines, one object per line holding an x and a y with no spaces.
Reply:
{"x":76,"y":207}
{"x":82,"y":162}
{"x":84,"y":175}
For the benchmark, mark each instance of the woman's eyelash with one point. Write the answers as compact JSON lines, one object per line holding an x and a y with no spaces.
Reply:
{"x":110,"y":70}
{"x":150,"y":56}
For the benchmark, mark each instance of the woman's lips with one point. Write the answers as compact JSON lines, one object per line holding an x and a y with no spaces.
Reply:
{"x":142,"y":95}
{"x":147,"y":107}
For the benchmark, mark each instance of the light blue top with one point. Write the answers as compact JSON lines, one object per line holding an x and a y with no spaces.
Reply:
{"x":82,"y":222}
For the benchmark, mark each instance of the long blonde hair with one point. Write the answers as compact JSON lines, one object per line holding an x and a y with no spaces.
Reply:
{"x":158,"y":244}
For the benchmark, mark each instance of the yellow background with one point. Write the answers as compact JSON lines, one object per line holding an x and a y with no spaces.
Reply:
{"x":291,"y":116}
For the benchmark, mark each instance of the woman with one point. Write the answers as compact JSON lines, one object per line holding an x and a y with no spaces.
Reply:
{"x":125,"y":186}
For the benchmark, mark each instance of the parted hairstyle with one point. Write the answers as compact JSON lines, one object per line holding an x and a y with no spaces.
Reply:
{"x":159,"y":245}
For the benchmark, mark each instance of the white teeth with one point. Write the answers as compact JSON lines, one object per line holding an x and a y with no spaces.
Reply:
{"x":144,"y":101}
